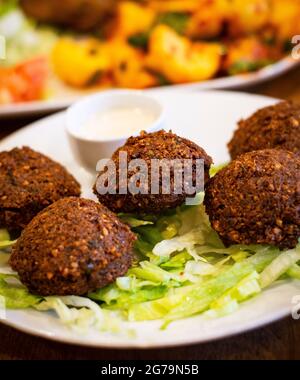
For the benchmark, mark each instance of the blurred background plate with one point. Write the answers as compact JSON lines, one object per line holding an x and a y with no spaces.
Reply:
{"x":65,"y":96}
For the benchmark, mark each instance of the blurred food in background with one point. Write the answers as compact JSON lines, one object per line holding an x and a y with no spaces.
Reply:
{"x":24,"y":82}
{"x":90,"y":44}
{"x":78,"y":14}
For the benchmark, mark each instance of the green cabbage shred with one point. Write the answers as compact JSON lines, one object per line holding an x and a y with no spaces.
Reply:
{"x":181,"y":269}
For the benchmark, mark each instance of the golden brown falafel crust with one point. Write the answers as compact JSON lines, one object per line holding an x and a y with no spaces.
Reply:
{"x":72,"y":247}
{"x":256,"y":199}
{"x":29,"y":182}
{"x":271,"y":127}
{"x":158,"y":145}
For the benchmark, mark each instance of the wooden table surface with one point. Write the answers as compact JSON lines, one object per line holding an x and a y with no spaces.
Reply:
{"x":280,"y":340}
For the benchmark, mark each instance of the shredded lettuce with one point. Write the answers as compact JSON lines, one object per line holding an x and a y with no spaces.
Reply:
{"x":182,"y":269}
{"x":4,"y":235}
{"x":5,"y":268}
{"x":25,"y":39}
{"x":7,"y":6}
{"x":133,"y":221}
{"x":5,"y":240}
{"x":190,"y":273}
{"x":180,"y":243}
{"x":225,"y":309}
{"x":121,"y":300}
{"x":14,"y":294}
{"x":144,"y":283}
{"x":199,"y":299}
{"x":279,"y":266}
{"x":216,"y":168}
{"x":246,"y":288}
{"x":152,"y":310}
{"x":79,"y":313}
{"x":131,"y":283}
{"x":194,"y":231}
{"x":200,"y":268}
{"x":294,"y":272}
{"x":5,"y":245}
{"x":177,"y":261}
{"x":158,"y":308}
{"x":151,"y":272}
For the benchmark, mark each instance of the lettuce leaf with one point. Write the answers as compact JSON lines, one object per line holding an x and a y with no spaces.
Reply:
{"x":15,"y":295}
{"x":190,"y":272}
{"x":294,"y":272}
{"x":24,"y":37}
{"x":200,"y":298}
{"x":5,"y":241}
{"x":182,"y":269}
{"x":4,"y":235}
{"x":157,"y":309}
{"x":133,"y":221}
{"x":116,"y":298}
{"x":79,"y":313}
{"x":216,"y":168}
{"x":177,"y":261}
{"x":279,"y":266}
{"x":180,"y":243}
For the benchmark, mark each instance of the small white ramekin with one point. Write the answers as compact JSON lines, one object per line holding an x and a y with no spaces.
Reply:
{"x":89,"y":151}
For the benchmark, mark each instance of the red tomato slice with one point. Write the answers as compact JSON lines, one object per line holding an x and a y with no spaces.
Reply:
{"x":25,"y":82}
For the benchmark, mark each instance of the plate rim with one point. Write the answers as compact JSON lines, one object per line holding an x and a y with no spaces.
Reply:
{"x":75,"y":340}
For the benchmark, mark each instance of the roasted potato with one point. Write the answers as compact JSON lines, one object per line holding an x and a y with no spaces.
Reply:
{"x":248,"y":16}
{"x":180,"y":60}
{"x":128,"y":67}
{"x":246,"y":55}
{"x":80,"y":63}
{"x":285,"y":18}
{"x":208,"y":21}
{"x":155,"y":42}
{"x":174,"y":5}
{"x":132,"y":18}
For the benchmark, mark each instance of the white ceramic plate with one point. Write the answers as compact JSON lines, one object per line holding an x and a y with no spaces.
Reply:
{"x":64,"y":96}
{"x":209,"y":119}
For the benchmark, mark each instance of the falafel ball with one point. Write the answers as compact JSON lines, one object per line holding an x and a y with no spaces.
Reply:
{"x":72,"y":247}
{"x":159,"y":145}
{"x":256,"y":199}
{"x":82,"y":15}
{"x":29,"y":182}
{"x":271,"y":127}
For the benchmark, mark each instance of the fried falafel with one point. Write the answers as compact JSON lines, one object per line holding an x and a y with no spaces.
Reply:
{"x":71,"y":248}
{"x":256,"y":199}
{"x":82,"y":15}
{"x":29,"y":182}
{"x":276,"y":126}
{"x":159,"y":145}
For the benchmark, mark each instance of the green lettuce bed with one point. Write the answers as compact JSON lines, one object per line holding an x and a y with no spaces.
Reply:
{"x":181,"y":269}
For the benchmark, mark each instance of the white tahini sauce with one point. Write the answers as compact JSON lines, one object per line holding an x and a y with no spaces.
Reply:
{"x":118,"y":122}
